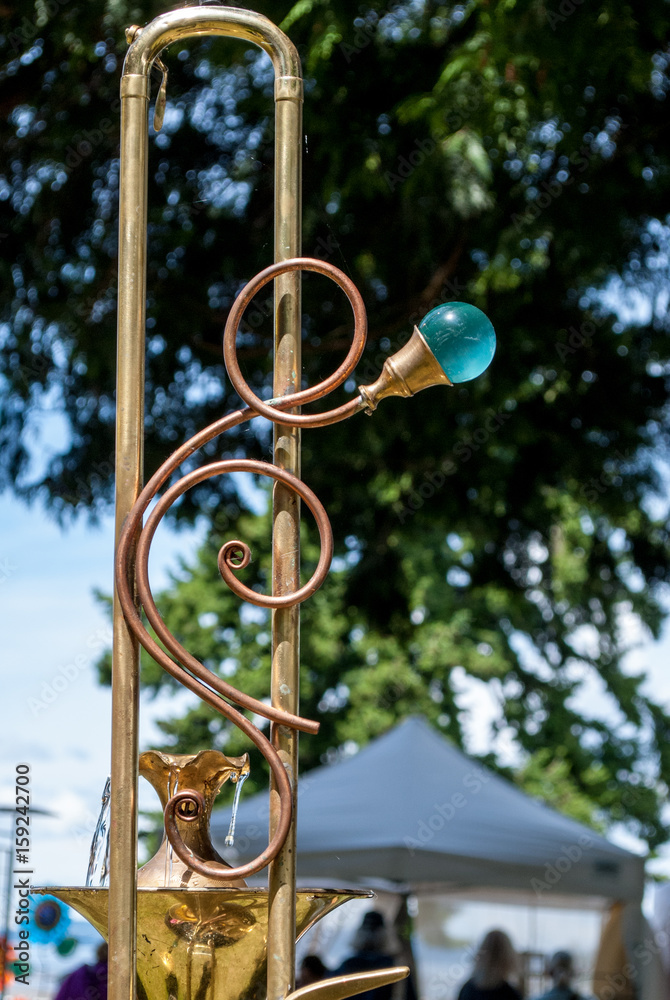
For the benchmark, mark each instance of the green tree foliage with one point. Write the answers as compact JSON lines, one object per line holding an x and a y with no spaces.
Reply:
{"x":509,"y":153}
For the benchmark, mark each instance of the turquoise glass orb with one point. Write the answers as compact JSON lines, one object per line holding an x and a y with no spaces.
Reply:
{"x":462,"y":339}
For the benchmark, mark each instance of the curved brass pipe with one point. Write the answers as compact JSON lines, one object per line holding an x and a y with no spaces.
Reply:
{"x":233,"y":22}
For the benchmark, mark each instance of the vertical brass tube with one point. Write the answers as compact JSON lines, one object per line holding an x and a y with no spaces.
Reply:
{"x":286,"y":526}
{"x":129,"y":470}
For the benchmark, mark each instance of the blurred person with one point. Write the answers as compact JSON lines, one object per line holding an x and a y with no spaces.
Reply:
{"x":88,"y":982}
{"x":562,"y":971}
{"x":495,"y":963}
{"x":371,"y":952}
{"x":312,"y":970}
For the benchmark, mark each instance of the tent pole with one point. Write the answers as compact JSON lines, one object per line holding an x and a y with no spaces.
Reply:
{"x":403,"y":927}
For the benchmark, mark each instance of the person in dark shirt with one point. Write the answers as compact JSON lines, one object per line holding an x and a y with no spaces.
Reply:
{"x":495,"y":963}
{"x":562,"y":972}
{"x":88,"y":982}
{"x":312,"y":970}
{"x":370,"y":944}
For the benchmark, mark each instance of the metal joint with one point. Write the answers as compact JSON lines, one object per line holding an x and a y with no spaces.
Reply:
{"x":135,"y":85}
{"x":288,"y":88}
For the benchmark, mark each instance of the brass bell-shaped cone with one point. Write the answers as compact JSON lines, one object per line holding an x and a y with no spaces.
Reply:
{"x":202,"y":944}
{"x":410,"y":369}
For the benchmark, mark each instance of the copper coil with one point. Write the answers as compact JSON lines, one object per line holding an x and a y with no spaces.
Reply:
{"x":135,"y":541}
{"x":191,"y":860}
{"x":323,"y":388}
{"x":238,"y":588}
{"x":130,"y":534}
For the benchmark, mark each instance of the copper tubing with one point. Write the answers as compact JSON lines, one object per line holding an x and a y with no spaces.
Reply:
{"x":132,"y":572}
{"x":226,"y":565}
{"x":323,"y":388}
{"x":125,"y":574}
{"x":134,"y":535}
{"x":194,"y":799}
{"x":132,"y":558}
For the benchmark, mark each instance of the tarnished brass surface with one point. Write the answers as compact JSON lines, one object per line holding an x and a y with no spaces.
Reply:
{"x":129,"y":474}
{"x":412,"y":368}
{"x":231,"y":22}
{"x":285,"y":672}
{"x":202,"y":944}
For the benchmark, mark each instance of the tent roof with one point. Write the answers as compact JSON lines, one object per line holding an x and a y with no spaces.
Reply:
{"x":410,"y":808}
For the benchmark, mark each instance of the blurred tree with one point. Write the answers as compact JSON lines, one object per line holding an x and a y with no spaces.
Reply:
{"x":505,"y":533}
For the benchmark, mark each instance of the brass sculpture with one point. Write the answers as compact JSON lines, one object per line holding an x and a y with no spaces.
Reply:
{"x":186,"y":927}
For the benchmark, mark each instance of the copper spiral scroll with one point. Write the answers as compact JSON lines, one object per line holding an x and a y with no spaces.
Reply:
{"x":132,"y":557}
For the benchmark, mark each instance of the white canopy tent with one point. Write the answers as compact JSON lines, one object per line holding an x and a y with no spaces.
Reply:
{"x":412,"y":814}
{"x":412,"y":811}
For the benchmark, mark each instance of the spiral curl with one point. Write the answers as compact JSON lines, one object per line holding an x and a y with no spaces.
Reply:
{"x":132,"y":557}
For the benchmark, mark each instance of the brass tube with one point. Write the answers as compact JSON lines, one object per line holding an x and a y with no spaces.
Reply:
{"x":146,"y":47}
{"x":129,"y":471}
{"x":285,"y":684}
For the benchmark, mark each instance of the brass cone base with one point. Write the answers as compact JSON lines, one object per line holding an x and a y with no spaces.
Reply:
{"x":202,"y":944}
{"x":412,"y":368}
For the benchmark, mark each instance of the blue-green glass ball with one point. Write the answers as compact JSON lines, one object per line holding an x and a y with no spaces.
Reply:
{"x":462,"y":339}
